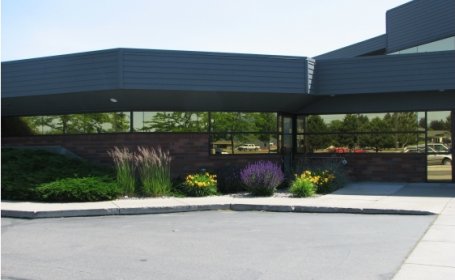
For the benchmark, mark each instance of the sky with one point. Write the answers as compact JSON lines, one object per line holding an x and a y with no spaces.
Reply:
{"x":36,"y":28}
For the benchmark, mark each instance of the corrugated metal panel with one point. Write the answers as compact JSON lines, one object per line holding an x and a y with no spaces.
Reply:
{"x":200,"y":71}
{"x":398,"y":73}
{"x":60,"y":74}
{"x":154,"y":70}
{"x":365,"y":47}
{"x":419,"y":22}
{"x":380,"y":103}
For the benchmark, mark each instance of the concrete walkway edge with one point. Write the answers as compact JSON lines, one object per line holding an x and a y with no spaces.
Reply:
{"x":31,"y":214}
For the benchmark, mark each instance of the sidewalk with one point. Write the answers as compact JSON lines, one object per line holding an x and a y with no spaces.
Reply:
{"x":365,"y":198}
{"x":432,"y":258}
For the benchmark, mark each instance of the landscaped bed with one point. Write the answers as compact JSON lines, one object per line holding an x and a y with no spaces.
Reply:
{"x":37,"y":175}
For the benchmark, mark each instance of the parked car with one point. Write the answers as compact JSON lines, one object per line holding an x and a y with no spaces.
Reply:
{"x":248,"y":147}
{"x":437,"y":153}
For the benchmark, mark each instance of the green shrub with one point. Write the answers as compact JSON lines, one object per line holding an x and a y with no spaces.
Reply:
{"x":327,"y":175}
{"x":154,"y":166}
{"x":302,"y":187}
{"x":78,"y":190}
{"x":229,"y":180}
{"x":24,"y":169}
{"x":199,"y":184}
{"x":322,"y":179}
{"x":124,"y":167}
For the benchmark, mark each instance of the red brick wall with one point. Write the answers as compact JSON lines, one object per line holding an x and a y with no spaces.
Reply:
{"x":190,"y":152}
{"x":380,"y":167}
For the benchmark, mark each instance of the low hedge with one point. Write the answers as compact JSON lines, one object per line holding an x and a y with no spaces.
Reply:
{"x":79,"y":190}
{"x":23,"y":170}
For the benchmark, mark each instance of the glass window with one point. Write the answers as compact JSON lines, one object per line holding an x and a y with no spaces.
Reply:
{"x":170,"y":121}
{"x":243,"y":143}
{"x":34,"y":123}
{"x":300,"y":124}
{"x":243,"y":133}
{"x":243,"y":122}
{"x":440,"y":45}
{"x":365,"y":143}
{"x":249,"y":143}
{"x":446,"y":44}
{"x":360,"y":133}
{"x":221,"y":144}
{"x":439,"y":131}
{"x":79,"y":123}
{"x":439,"y":142}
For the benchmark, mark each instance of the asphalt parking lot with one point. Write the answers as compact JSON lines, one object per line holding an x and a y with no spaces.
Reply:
{"x":210,"y":245}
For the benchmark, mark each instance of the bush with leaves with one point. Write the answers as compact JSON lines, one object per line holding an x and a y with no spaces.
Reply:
{"x":24,"y":169}
{"x":328,"y":175}
{"x":262,"y":178}
{"x":199,"y":184}
{"x":79,"y":190}
{"x":322,"y":179}
{"x":229,"y":180}
{"x":302,"y":187}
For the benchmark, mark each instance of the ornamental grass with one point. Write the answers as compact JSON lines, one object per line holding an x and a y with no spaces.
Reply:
{"x":124,"y":166}
{"x":154,"y":169}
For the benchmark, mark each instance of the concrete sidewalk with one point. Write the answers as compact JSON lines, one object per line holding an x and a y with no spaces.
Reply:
{"x":432,"y":258}
{"x":366,"y":198}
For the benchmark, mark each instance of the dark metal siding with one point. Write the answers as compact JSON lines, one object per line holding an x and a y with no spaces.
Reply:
{"x":383,"y":102}
{"x":368,"y":46}
{"x":419,"y":22}
{"x":381,"y":74}
{"x":154,"y":70}
{"x":60,"y":74}
{"x":200,"y":71}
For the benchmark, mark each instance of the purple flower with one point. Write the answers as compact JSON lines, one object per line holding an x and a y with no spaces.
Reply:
{"x":262,"y":177}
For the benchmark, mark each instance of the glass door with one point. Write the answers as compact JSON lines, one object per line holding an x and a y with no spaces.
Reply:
{"x":439,"y":146}
{"x":286,"y":134}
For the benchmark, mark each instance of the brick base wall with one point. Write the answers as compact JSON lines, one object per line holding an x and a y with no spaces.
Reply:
{"x":378,"y":167}
{"x":190,"y":152}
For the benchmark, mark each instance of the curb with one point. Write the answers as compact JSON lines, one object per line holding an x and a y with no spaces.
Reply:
{"x":59,"y":213}
{"x":210,"y":207}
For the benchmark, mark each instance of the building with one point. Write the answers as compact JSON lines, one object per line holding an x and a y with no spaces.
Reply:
{"x":379,"y":104}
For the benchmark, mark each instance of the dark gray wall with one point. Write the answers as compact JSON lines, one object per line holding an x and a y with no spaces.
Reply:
{"x":200,"y":71}
{"x":419,"y":22}
{"x":379,"y":103}
{"x":375,"y":44}
{"x":382,"y":74}
{"x":59,"y":74}
{"x":154,"y":80}
{"x":154,"y":70}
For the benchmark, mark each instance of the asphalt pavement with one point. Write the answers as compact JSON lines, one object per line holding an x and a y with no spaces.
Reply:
{"x":430,"y":254}
{"x":210,"y":245}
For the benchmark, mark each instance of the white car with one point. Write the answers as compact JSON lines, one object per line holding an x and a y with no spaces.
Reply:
{"x":248,"y":147}
{"x":436,"y":153}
